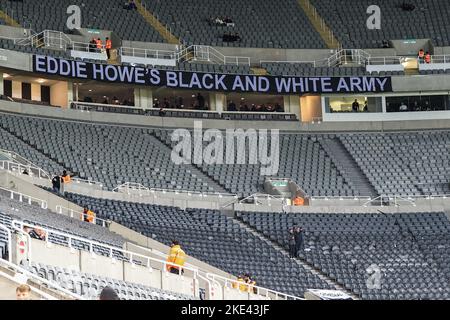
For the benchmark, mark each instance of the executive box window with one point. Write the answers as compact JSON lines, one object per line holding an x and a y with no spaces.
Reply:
{"x":26,"y":91}
{"x":7,"y":88}
{"x":418,"y":103}
{"x":346,"y":104}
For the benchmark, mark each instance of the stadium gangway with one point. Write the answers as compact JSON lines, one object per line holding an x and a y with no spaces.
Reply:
{"x":130,"y":256}
{"x":80,"y":215}
{"x":40,"y":281}
{"x":8,"y":234}
{"x":230,"y":284}
{"x":22,"y":196}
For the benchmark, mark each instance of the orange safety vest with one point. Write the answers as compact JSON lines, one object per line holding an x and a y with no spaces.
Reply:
{"x":421,"y":53}
{"x":66,"y":179}
{"x":99,"y":44}
{"x":428,"y":58}
{"x":108,"y":44}
{"x":299,"y":201}
{"x":89,"y":216}
{"x":177,"y":256}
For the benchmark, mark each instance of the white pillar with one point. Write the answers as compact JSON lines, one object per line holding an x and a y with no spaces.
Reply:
{"x":143,"y":98}
{"x":1,"y":84}
{"x":70,"y":94}
{"x":383,"y":104}
{"x":217,"y":102}
{"x":292,"y":105}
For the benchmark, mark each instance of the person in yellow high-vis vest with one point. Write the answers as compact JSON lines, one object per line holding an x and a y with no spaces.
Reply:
{"x":176,"y":258}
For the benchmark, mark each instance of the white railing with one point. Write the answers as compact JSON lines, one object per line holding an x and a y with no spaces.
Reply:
{"x":384,"y":200}
{"x":85,"y":47}
{"x":227,"y":284}
{"x":438,"y":59}
{"x":384,"y":60}
{"x":208,"y":53}
{"x":313,"y":63}
{"x":19,"y":226}
{"x":87,"y":181}
{"x":147,"y":53}
{"x":21,"y":169}
{"x":18,"y":158}
{"x":8,"y":234}
{"x":39,"y":281}
{"x":22,"y":196}
{"x":80,"y":215}
{"x":132,"y":187}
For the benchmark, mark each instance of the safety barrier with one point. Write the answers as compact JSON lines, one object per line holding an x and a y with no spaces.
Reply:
{"x":230,"y":284}
{"x":22,"y":197}
{"x":80,"y":215}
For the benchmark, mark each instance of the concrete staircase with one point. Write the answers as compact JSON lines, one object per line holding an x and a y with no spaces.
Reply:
{"x":156,"y":24}
{"x":348,"y":166}
{"x":299,"y":261}
{"x":319,"y":24}
{"x":8,"y":20}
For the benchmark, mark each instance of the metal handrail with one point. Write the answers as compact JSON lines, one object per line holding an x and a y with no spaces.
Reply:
{"x":389,"y":60}
{"x":313,"y":62}
{"x":147,"y":53}
{"x":93,"y":243}
{"x":17,"y":167}
{"x":228,"y":283}
{"x":35,"y":277}
{"x":129,"y":186}
{"x":60,"y":209}
{"x":15,"y":155}
{"x":31,"y":199}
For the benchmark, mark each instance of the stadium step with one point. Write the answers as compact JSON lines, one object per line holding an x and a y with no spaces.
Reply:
{"x":299,"y":261}
{"x":8,"y":20}
{"x":156,"y":24}
{"x":348,"y":166}
{"x":319,"y":24}
{"x":259,"y":71}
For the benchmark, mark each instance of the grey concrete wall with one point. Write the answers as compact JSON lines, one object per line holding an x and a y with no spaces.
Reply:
{"x":404,"y":48}
{"x":15,"y":60}
{"x":13,"y":32}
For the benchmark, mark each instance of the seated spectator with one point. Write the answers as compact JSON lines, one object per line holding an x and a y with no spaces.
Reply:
{"x":219,"y":22}
{"x":243,"y":107}
{"x":35,"y":233}
{"x":108,"y":293}
{"x":130,"y":5}
{"x":162,"y":113}
{"x":116,"y":100}
{"x":278,"y":108}
{"x":228,"y":22}
{"x":403,"y":107}
{"x":232,"y":106}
